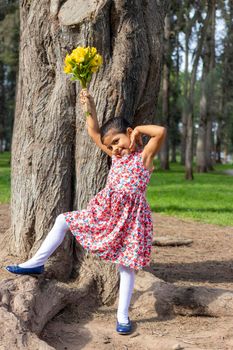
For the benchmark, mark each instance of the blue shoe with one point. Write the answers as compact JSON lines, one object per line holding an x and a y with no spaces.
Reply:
{"x":25,"y":271}
{"x":124,"y":328}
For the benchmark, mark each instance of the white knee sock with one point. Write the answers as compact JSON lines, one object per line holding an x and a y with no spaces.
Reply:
{"x":51,"y":242}
{"x":127,"y":277}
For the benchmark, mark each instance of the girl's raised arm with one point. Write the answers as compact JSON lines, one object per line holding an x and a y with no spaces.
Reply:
{"x":89,"y":109}
{"x":157,"y":136}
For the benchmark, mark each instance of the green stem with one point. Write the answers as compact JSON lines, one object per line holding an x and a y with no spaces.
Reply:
{"x":83,"y":84}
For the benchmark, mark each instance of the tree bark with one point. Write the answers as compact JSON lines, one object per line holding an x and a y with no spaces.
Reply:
{"x":186,"y":103}
{"x":185,"y":100}
{"x":204,"y":142}
{"x":218,"y":145}
{"x":55,"y":166}
{"x":211,"y":34}
{"x":201,"y":139}
{"x":164,"y":153}
{"x":189,"y":143}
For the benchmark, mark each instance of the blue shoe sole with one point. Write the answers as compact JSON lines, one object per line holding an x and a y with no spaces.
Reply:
{"x":123,"y":328}
{"x":15,"y":269}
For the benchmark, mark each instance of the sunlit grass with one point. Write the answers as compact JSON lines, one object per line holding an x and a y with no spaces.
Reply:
{"x":208,"y":198}
{"x":5,"y":177}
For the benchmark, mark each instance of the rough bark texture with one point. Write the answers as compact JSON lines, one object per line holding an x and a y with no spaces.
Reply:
{"x":204,"y":141}
{"x":211,"y":36}
{"x":171,"y":241}
{"x":164,"y":153}
{"x":201,"y":139}
{"x":188,"y":31}
{"x":189,"y":118}
{"x":55,"y":166}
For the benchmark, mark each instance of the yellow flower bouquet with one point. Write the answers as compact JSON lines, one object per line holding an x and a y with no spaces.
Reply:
{"x":82,"y":63}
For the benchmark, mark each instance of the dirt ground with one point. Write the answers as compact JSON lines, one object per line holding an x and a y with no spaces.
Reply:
{"x":208,"y":261}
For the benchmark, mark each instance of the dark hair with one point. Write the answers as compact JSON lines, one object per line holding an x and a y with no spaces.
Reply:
{"x":120,"y":124}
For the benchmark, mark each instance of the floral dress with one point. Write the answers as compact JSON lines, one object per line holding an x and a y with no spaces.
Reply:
{"x":117,"y":225}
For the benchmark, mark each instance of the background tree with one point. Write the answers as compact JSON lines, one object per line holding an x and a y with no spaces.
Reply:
{"x":225,"y":120}
{"x":164,"y":153}
{"x":204,"y":142}
{"x":9,"y":38}
{"x":55,"y":166}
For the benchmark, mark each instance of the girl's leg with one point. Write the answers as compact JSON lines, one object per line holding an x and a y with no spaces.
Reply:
{"x":51,"y":242}
{"x":127,"y":277}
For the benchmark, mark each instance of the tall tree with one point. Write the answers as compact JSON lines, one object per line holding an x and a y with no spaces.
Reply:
{"x":190,"y":100}
{"x":188,"y":25}
{"x":225,"y":120}
{"x":204,"y":142}
{"x":55,"y":166}
{"x":9,"y":38}
{"x":164,"y":153}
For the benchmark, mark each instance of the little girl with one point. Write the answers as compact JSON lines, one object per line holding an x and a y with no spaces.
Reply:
{"x":117,"y":223}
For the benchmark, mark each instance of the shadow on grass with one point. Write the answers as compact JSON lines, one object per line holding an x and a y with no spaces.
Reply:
{"x":173,"y":208}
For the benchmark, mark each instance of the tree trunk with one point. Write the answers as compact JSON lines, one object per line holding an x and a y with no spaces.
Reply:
{"x":55,"y":166}
{"x":218,"y":145}
{"x":211,"y":40}
{"x":201,"y":139}
{"x":189,"y":143}
{"x":173,"y":156}
{"x":189,"y":147}
{"x":206,"y":96}
{"x":164,"y":153}
{"x":209,"y":144}
{"x":185,"y":101}
{"x":201,"y":159}
{"x":2,"y":108}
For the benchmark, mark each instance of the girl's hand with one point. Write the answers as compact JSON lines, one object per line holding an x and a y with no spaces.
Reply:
{"x":135,"y":139}
{"x":87,"y":101}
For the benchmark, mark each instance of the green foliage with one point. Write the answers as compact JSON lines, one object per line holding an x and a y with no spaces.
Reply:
{"x":9,"y":52}
{"x":207,"y":199}
{"x":7,"y":6}
{"x":9,"y":37}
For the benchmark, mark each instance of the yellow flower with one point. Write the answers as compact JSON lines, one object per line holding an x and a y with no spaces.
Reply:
{"x":67,"y":59}
{"x":97,"y":60}
{"x":77,"y":57}
{"x":94,"y":69}
{"x":93,"y":51}
{"x":81,"y":63}
{"x":68,"y":69}
{"x":78,"y":54}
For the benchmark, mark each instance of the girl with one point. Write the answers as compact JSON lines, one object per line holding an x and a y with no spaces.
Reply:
{"x":117,"y":223}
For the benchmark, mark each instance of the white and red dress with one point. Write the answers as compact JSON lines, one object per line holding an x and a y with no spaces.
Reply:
{"x":117,"y":224}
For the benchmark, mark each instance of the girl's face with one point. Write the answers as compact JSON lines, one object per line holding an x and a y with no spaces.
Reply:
{"x":118,"y":143}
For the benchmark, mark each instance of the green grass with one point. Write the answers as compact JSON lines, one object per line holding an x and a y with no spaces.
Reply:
{"x":5,"y":177}
{"x":208,"y":198}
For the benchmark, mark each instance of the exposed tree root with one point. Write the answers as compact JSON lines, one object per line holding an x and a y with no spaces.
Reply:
{"x":163,"y":299}
{"x":28,"y":303}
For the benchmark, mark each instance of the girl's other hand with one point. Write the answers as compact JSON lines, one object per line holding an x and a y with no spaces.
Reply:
{"x":135,"y":139}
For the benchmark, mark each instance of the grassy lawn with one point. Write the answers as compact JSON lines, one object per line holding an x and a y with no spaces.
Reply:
{"x":5,"y":177}
{"x":209,"y":198}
